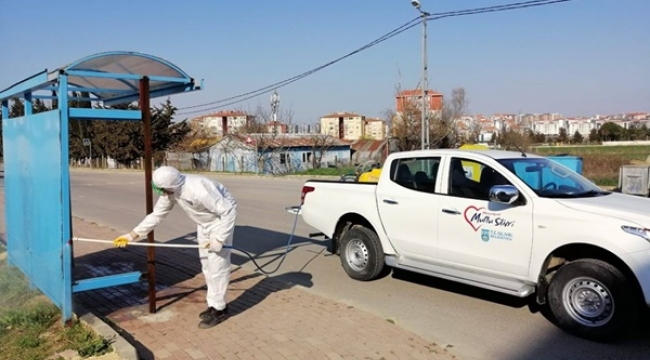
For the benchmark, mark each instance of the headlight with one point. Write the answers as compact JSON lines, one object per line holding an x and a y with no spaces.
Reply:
{"x":643,"y":233}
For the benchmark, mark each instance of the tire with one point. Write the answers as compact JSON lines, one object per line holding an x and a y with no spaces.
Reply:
{"x":361,"y":254}
{"x":592,"y":299}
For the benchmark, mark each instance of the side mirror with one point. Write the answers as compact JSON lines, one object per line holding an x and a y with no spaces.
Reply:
{"x":504,"y":194}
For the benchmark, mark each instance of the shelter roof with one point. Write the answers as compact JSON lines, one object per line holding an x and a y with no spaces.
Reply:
{"x":112,"y":77}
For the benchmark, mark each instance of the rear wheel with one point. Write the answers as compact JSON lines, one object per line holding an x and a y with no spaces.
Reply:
{"x":592,"y":299}
{"x":361,"y":254}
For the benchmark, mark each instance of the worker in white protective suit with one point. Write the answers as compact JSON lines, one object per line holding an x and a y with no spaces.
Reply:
{"x":211,"y":206}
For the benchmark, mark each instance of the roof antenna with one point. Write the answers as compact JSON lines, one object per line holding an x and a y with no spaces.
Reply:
{"x":523,"y":154}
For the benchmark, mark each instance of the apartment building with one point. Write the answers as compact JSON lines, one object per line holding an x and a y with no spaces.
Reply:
{"x":343,"y":125}
{"x":276,"y":127}
{"x":223,"y":122}
{"x":407,"y":98}
{"x":374,"y":129}
{"x":352,"y":126}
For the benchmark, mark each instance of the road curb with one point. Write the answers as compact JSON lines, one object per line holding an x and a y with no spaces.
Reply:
{"x":123,"y":348}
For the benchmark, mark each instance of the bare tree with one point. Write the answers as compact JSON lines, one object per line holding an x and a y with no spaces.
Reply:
{"x":270,"y":151}
{"x":233,"y":150}
{"x":513,"y":138}
{"x":262,"y":121}
{"x":270,"y":140}
{"x":197,"y":141}
{"x":473,"y":130}
{"x":320,"y":146}
{"x":443,"y":129}
{"x":406,"y":125}
{"x":254,"y":125}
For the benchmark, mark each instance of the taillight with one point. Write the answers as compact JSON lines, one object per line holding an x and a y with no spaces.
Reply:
{"x":305,"y":191}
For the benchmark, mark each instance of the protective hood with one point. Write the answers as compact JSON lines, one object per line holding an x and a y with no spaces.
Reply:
{"x":168,"y":178}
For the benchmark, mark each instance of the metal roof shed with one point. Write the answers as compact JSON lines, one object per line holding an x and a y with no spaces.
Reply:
{"x":37,"y":178}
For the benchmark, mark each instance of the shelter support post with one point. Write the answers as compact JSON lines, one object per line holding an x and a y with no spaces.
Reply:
{"x":5,"y":109}
{"x":66,"y":202}
{"x":146,"y":128}
{"x":28,"y":103}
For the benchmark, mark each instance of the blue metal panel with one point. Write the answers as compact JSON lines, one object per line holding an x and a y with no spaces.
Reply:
{"x":106,"y":281}
{"x":107,"y":75}
{"x":30,"y":84}
{"x":45,"y":97}
{"x":154,"y":93}
{"x":33,"y":213}
{"x":4,"y":104}
{"x":72,"y":88}
{"x":51,"y":97}
{"x":105,"y":114}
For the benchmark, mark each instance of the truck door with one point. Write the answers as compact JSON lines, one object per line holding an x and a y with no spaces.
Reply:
{"x":408,"y":205}
{"x":475,"y":232}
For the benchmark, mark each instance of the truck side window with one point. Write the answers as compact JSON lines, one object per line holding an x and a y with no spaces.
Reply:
{"x":417,"y":174}
{"x":472,"y":180}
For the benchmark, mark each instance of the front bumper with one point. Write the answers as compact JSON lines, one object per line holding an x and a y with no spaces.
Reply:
{"x":639,"y":263}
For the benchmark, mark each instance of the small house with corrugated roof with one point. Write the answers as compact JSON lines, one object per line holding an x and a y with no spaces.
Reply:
{"x":277,"y":153}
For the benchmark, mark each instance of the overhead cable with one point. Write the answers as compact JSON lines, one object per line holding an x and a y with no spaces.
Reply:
{"x":412,"y":23}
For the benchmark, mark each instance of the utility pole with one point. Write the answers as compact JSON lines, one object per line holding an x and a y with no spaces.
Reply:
{"x":425,"y":69}
{"x":275,"y":102}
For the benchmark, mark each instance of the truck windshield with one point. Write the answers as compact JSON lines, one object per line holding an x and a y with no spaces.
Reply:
{"x":551,"y":179}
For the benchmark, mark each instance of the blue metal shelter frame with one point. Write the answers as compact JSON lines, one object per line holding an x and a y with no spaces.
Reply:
{"x":37,"y":178}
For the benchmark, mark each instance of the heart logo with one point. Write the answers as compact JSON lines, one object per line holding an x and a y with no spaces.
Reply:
{"x":472,"y":210}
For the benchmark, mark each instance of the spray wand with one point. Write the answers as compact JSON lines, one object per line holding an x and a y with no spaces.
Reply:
{"x":294,"y":210}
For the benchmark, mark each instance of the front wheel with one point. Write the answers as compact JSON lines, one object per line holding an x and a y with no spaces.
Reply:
{"x":361,"y":254}
{"x":592,"y":299}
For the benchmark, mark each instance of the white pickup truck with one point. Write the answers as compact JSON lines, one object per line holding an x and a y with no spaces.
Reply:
{"x":506,"y":221}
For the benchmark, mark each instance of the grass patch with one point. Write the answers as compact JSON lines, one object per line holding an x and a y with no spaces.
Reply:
{"x":327,"y":171}
{"x":600,"y":164}
{"x":631,"y":152}
{"x":31,"y":326}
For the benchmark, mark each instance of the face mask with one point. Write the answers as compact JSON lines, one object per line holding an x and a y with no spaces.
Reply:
{"x":156,"y":189}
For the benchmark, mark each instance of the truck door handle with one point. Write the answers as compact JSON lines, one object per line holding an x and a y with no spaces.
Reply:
{"x":390,"y":201}
{"x":452,"y":212}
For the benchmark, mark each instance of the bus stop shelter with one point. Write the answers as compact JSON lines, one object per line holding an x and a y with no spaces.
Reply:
{"x":36,"y":157}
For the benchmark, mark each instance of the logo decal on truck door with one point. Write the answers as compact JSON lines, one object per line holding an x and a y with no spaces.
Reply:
{"x":487,"y":235}
{"x":476,"y":217}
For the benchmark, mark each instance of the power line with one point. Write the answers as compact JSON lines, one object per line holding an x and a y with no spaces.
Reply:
{"x":412,"y":23}
{"x":495,"y":8}
{"x":276,"y":85}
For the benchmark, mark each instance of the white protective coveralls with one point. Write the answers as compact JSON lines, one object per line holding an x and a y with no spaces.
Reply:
{"x":212,"y":207}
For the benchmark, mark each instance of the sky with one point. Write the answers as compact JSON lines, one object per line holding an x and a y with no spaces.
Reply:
{"x":577,"y":58}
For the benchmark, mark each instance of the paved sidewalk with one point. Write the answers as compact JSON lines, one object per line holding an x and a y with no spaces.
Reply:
{"x":270,"y":318}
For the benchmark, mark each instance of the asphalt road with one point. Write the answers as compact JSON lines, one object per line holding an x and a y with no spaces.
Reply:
{"x":471,"y":323}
